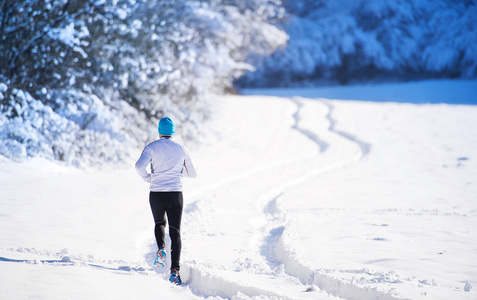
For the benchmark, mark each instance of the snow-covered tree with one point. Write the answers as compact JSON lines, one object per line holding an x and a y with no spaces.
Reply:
{"x":84,"y":81}
{"x":364,"y":40}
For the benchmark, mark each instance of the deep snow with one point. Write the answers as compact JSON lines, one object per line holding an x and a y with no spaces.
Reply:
{"x":297,"y":198}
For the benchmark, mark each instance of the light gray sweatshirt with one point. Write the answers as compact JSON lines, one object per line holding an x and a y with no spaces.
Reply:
{"x":170,"y":162}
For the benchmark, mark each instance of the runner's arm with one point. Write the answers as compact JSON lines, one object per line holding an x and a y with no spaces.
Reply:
{"x":142,"y":163}
{"x":189,"y":169}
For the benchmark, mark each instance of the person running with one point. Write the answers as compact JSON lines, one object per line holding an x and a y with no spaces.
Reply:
{"x":170,"y":162}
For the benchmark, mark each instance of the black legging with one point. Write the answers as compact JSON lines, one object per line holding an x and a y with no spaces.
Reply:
{"x":169,"y":203}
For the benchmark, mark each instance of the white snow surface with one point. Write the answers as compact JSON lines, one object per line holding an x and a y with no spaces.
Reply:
{"x":297,"y":198}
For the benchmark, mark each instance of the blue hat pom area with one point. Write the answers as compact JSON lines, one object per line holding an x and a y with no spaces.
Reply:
{"x":166,"y":126}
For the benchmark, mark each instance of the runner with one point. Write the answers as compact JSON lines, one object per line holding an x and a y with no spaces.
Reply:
{"x":170,"y":162}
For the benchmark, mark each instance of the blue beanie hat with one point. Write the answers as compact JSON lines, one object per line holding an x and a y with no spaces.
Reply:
{"x":166,"y":126}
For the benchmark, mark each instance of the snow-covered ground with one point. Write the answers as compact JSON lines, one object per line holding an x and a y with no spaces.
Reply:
{"x":297,"y":198}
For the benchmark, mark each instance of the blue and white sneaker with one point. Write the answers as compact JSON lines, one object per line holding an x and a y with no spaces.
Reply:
{"x":175,"y":277}
{"x":160,"y":261}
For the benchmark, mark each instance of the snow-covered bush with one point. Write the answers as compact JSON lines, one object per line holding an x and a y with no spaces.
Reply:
{"x":31,"y":128}
{"x":85,"y":81}
{"x":360,"y":40}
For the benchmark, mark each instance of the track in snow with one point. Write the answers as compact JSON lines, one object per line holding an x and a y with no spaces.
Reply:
{"x":265,"y":256}
{"x":273,"y":248}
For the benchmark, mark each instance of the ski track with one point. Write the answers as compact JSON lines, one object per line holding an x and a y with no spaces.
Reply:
{"x":365,"y":147}
{"x":307,"y":132}
{"x":268,"y":237}
{"x":274,"y":248}
{"x":204,"y":283}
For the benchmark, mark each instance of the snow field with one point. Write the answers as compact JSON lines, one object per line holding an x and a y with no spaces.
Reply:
{"x":296,"y":199}
{"x":400,"y":221}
